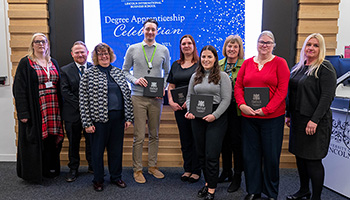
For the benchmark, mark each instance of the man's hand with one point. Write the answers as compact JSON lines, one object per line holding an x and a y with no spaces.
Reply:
{"x":142,"y":82}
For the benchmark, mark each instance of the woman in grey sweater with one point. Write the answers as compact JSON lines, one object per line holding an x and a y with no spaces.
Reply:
{"x":209,"y":131}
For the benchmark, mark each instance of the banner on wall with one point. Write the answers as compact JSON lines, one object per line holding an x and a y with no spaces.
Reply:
{"x":337,"y":161}
{"x":209,"y":22}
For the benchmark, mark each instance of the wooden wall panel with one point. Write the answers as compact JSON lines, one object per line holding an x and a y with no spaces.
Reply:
{"x":318,"y":16}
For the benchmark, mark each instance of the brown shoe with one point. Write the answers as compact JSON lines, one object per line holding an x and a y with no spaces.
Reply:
{"x":155,"y":172}
{"x":98,"y":187}
{"x":139,"y":178}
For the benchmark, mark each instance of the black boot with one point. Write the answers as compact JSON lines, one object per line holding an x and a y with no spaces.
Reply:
{"x":225,"y":174}
{"x":236,"y":183}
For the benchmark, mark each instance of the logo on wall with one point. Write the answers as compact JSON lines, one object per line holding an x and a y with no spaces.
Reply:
{"x":341,"y":132}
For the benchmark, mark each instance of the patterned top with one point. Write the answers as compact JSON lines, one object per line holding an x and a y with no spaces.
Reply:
{"x":49,"y":108}
{"x":93,"y":96}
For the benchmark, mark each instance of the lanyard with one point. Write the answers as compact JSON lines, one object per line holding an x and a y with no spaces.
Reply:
{"x":47,"y":71}
{"x":232,"y":67}
{"x":149,"y":63}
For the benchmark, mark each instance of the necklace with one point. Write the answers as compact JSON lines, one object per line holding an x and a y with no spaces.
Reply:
{"x":261,"y":63}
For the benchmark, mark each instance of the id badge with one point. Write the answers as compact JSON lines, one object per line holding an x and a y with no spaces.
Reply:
{"x":48,"y":84}
{"x":150,"y":65}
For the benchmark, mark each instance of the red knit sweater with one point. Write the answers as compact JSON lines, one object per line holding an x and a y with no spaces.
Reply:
{"x":274,"y":75}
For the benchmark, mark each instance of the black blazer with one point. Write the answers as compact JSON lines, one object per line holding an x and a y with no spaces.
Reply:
{"x":70,"y":80}
{"x":315,"y":95}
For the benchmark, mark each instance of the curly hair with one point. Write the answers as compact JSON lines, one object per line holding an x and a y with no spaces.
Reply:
{"x":102,"y":47}
{"x":214,"y":75}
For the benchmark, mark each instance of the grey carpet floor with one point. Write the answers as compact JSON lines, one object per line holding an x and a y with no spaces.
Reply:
{"x":169,"y":188}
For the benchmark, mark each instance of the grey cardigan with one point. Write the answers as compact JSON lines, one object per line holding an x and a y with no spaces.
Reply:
{"x":93,"y":99}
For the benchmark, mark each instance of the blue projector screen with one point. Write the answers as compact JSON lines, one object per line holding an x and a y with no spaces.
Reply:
{"x":119,"y":23}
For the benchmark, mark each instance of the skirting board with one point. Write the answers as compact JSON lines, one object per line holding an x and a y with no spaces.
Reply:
{"x":7,"y":157}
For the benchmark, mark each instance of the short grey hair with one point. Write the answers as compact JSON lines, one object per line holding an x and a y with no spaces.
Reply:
{"x":268,"y":34}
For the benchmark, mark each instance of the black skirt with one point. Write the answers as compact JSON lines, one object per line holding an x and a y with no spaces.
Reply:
{"x":312,"y":147}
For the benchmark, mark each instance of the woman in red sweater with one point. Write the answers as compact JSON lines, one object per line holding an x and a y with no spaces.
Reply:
{"x":262,"y":128}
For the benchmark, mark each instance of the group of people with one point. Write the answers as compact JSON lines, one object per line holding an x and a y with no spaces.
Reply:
{"x":96,"y":99}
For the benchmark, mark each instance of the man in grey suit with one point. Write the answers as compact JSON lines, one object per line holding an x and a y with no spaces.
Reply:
{"x":70,"y":79}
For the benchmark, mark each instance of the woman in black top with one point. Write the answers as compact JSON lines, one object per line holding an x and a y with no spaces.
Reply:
{"x":311,"y":91}
{"x":180,"y":74}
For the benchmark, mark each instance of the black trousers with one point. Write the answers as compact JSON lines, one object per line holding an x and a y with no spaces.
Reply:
{"x":51,"y":156}
{"x":233,"y":141}
{"x":188,"y":147}
{"x":73,"y":131}
{"x":108,"y":135}
{"x":208,"y":137}
{"x":262,"y":144}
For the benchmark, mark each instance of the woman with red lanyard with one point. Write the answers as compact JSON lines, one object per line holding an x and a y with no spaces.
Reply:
{"x":36,"y":92}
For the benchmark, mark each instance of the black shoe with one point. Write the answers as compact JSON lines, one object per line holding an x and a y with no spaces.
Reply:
{"x":90,"y":170}
{"x":72,"y":175}
{"x":120,"y":183}
{"x":202,"y":192}
{"x":252,"y":196}
{"x":184,"y":178}
{"x":194,"y":180}
{"x":299,"y":196}
{"x":225,"y":174}
{"x":51,"y":174}
{"x":235,"y":184}
{"x":209,"y":196}
{"x":98,"y":187}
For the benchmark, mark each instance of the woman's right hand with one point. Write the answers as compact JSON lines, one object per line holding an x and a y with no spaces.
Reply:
{"x":288,"y":121}
{"x":247,"y":110}
{"x":25,"y":120}
{"x":175,"y":106}
{"x":90,"y":129}
{"x":189,"y":115}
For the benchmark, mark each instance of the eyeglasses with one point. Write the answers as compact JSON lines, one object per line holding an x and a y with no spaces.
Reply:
{"x":39,"y":41}
{"x":269,"y":43}
{"x":103,"y":54}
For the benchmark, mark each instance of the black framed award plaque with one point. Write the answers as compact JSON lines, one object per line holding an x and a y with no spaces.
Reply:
{"x":256,"y":97}
{"x":179,"y":94}
{"x":154,"y":87}
{"x":201,"y":105}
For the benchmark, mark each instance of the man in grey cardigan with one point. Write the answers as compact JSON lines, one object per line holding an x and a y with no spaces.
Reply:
{"x":147,"y":58}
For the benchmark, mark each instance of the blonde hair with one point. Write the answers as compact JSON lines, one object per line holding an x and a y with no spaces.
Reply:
{"x":315,"y":66}
{"x":234,"y":39}
{"x":31,"y":49}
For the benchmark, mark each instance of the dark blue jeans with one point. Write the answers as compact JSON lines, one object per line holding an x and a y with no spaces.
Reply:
{"x":108,"y":135}
{"x":262,"y":143}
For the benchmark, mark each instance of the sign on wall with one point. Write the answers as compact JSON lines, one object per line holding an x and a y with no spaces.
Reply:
{"x":209,"y":22}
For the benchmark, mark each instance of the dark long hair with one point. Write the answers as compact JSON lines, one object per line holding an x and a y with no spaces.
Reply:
{"x":214,"y":75}
{"x":195,"y":57}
